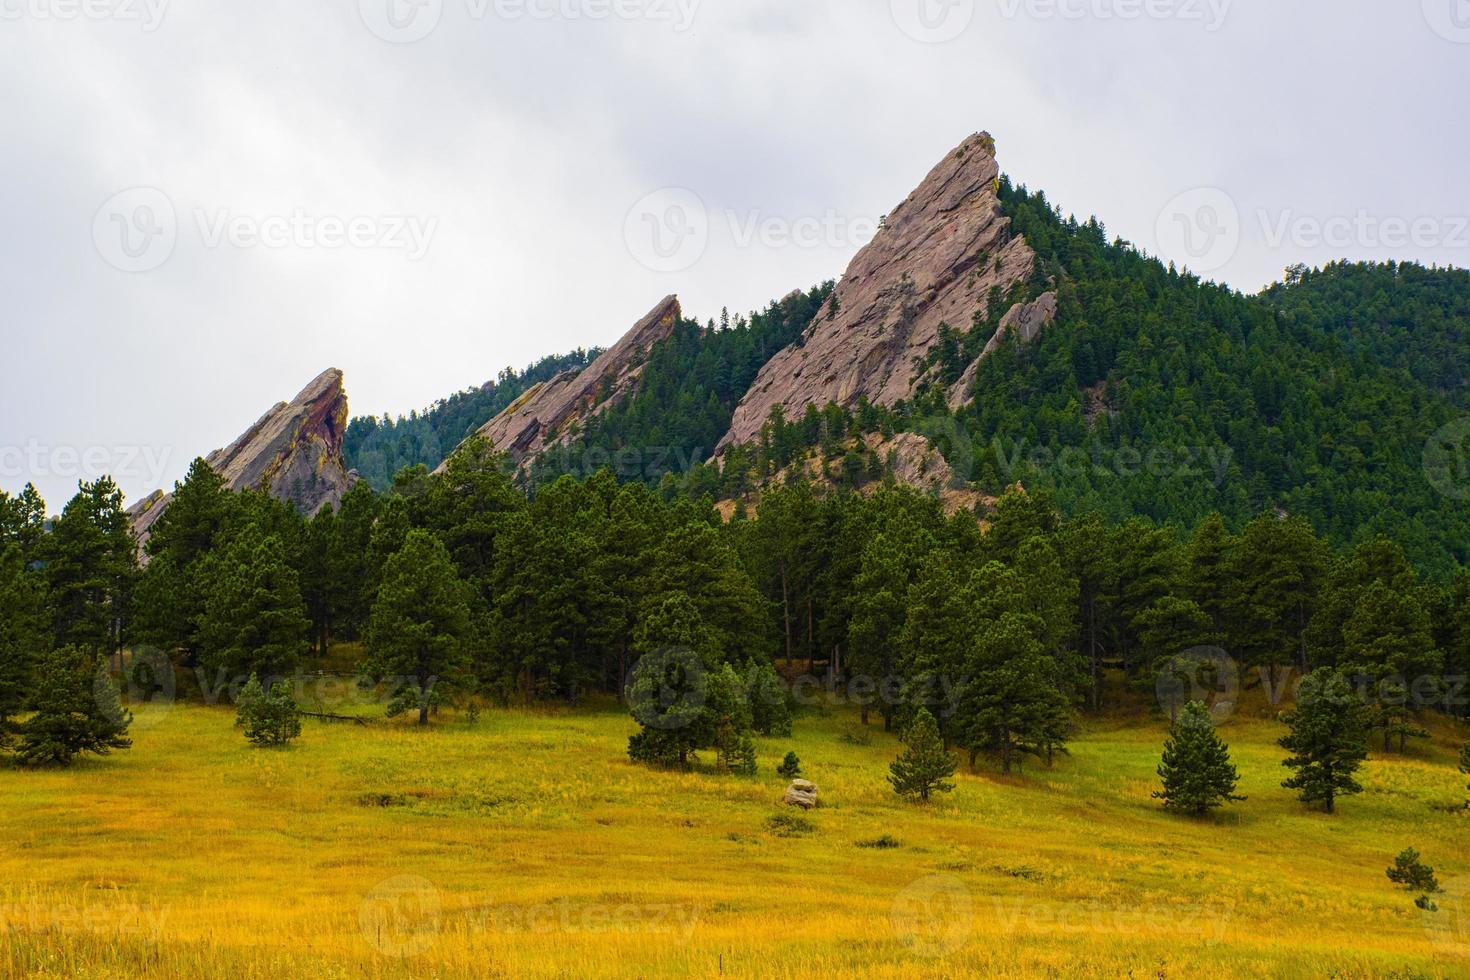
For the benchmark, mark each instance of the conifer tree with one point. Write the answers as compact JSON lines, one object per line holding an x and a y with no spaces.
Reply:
{"x":1328,"y":740}
{"x":925,"y":765}
{"x":1196,"y":768}
{"x":78,"y":709}
{"x":91,"y":559}
{"x":269,"y":718}
{"x":254,"y":619}
{"x":419,"y":629}
{"x":790,"y":766}
{"x":23,"y":634}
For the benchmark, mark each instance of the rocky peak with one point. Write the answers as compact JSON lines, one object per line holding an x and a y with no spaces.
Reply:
{"x":933,"y":262}
{"x":294,"y":452}
{"x":546,"y":413}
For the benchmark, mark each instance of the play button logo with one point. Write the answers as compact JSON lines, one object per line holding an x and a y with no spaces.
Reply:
{"x":1450,"y":19}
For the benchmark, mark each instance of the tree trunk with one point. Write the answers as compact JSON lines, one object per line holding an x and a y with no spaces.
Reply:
{"x":786,"y":612}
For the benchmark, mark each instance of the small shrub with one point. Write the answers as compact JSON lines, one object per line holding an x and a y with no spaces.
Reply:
{"x":742,"y":760}
{"x":1412,"y":873}
{"x":882,"y":843}
{"x":1426,"y":903}
{"x":268,"y":717}
{"x":789,"y":825}
{"x":790,"y":766}
{"x":856,"y":736}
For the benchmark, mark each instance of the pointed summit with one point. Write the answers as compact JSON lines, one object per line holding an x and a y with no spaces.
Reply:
{"x":544,"y":415}
{"x":293,"y":452}
{"x":934,"y":261}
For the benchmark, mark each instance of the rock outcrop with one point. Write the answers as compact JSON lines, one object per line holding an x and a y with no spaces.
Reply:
{"x":546,"y":414}
{"x":801,"y":793}
{"x":294,"y":452}
{"x":933,"y":262}
{"x":1026,"y":321}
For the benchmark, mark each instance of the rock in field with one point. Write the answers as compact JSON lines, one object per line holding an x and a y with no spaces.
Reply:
{"x":801,"y":793}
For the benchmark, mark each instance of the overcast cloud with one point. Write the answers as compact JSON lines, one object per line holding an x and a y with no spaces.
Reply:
{"x":207,"y":202}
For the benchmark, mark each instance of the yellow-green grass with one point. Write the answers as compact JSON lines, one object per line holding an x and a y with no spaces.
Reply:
{"x":528,"y":845}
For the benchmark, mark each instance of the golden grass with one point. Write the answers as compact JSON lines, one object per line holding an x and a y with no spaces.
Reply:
{"x":528,"y":845}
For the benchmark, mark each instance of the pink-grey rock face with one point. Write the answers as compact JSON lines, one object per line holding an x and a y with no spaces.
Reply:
{"x":933,"y":262}
{"x":294,"y":452}
{"x":547,"y":413}
{"x":1025,"y":321}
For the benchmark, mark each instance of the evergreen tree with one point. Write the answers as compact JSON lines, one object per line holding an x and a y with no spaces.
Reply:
{"x":269,"y":718}
{"x":1011,"y":703}
{"x":1388,"y":641}
{"x":1328,"y":740}
{"x":924,"y":765}
{"x":78,"y":709}
{"x":1196,"y":768}
{"x":668,"y":689}
{"x":91,"y":559}
{"x":24,"y":634}
{"x":790,"y":767}
{"x":770,"y":702}
{"x":1413,"y":874}
{"x":254,"y":619}
{"x":419,"y":628}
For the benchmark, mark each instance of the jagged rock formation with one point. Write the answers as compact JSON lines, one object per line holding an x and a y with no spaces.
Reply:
{"x":933,"y":262}
{"x":294,"y":452}
{"x":909,"y":457}
{"x":546,"y":414}
{"x":1026,"y":321}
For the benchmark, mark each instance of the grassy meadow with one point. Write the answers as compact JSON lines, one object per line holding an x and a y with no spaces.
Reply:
{"x":526,"y":844}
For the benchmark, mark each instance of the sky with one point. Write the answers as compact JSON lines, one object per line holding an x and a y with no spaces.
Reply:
{"x":206,"y":202}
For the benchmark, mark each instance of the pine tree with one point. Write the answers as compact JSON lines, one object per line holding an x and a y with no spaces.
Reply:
{"x":1196,"y":767}
{"x":419,"y":628}
{"x":23,"y":634}
{"x":91,"y":560}
{"x":770,"y":702}
{"x":270,"y":718}
{"x":790,"y":766}
{"x":78,"y":709}
{"x":254,"y":618}
{"x":1328,"y":740}
{"x":1413,"y":874}
{"x":925,"y":764}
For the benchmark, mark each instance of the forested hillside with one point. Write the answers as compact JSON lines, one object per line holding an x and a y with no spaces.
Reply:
{"x":379,"y":446}
{"x":1176,"y":397}
{"x":1152,"y":394}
